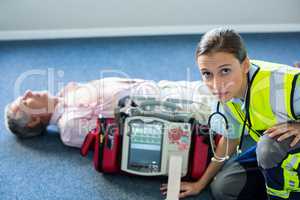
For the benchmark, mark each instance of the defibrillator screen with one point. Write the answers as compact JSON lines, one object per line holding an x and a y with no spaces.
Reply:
{"x":145,"y":146}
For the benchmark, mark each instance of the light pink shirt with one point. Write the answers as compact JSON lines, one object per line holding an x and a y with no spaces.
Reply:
{"x":80,"y":104}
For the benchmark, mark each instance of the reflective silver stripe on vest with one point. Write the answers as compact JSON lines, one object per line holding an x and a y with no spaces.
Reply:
{"x":290,"y":165}
{"x":277,"y":95}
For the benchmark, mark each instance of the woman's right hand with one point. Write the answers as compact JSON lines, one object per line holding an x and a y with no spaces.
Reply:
{"x":186,"y":189}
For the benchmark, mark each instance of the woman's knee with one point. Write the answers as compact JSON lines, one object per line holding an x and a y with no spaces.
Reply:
{"x":217,"y":189}
{"x":270,"y":152}
{"x":228,"y":183}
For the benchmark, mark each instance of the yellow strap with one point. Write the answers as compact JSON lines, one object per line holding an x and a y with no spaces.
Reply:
{"x":278,"y":193}
{"x":291,"y":178}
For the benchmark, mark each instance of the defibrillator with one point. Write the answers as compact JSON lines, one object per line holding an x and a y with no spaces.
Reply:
{"x":144,"y":134}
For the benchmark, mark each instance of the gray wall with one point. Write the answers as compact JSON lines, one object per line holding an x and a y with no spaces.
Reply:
{"x":84,"y":18}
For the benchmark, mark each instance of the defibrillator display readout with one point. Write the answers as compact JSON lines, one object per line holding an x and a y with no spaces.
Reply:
{"x":146,"y":136}
{"x":145,"y":145}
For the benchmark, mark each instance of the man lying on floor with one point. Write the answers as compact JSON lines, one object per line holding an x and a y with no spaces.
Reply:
{"x":77,"y":106}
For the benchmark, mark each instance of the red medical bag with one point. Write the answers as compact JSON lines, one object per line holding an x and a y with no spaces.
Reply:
{"x":106,"y":140}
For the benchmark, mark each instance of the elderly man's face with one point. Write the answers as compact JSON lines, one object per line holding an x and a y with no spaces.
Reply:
{"x":32,"y":103}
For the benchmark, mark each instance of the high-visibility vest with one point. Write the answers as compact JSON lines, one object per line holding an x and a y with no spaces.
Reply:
{"x":270,"y":102}
{"x":271,"y":97}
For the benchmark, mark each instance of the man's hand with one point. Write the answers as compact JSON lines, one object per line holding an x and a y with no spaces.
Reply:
{"x":285,"y":130}
{"x":186,"y":189}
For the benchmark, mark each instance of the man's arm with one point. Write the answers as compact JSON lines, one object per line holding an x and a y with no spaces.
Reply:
{"x":74,"y":130}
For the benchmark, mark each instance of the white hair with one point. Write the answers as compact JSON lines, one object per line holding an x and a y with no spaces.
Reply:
{"x":17,"y":123}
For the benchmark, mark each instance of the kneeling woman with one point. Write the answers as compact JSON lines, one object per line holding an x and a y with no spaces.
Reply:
{"x":260,"y":98}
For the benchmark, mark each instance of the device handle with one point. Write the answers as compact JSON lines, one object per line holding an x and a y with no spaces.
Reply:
{"x":166,"y":104}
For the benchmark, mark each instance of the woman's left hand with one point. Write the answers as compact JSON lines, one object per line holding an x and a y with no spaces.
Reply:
{"x":285,"y":130}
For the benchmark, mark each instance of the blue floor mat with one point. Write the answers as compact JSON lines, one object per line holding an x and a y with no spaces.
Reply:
{"x":42,"y":167}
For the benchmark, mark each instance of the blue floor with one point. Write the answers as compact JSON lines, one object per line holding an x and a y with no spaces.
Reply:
{"x":43,"y":168}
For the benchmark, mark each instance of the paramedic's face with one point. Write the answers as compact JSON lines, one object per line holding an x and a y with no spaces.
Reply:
{"x":32,"y":103}
{"x":224,"y":75}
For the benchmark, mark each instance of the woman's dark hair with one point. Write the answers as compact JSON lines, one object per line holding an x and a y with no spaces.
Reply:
{"x":222,"y":40}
